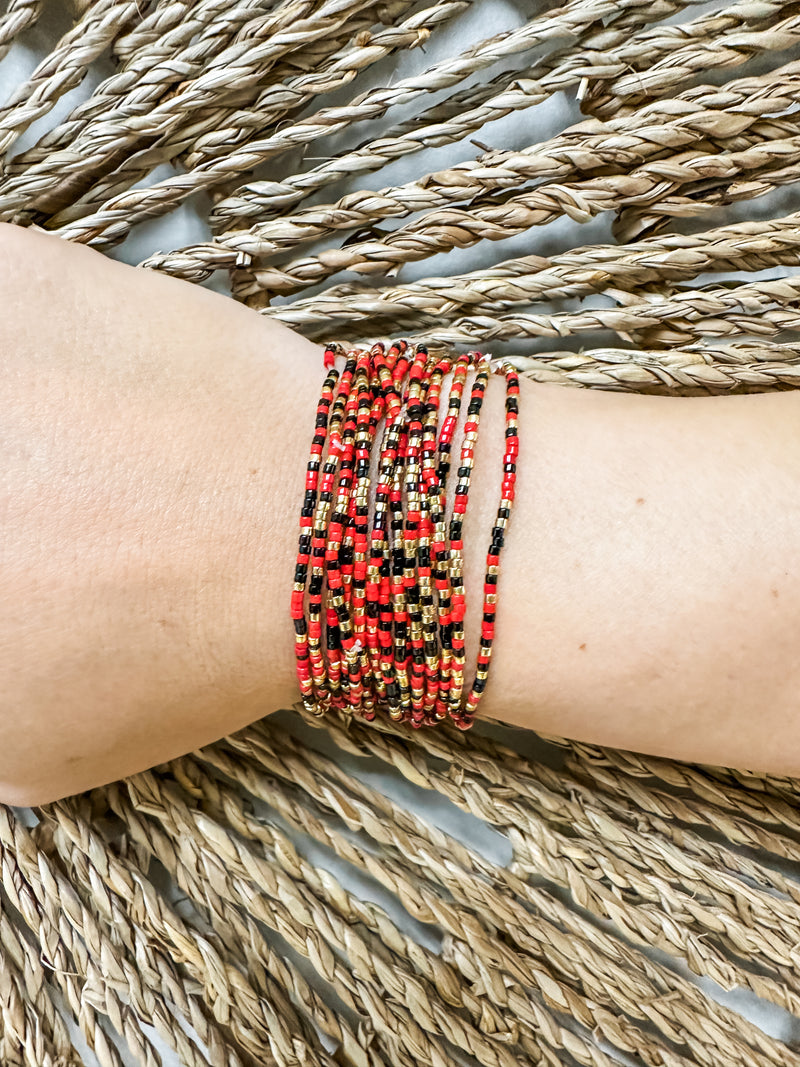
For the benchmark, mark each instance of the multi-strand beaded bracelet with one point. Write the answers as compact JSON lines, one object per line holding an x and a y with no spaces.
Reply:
{"x":379,"y":607}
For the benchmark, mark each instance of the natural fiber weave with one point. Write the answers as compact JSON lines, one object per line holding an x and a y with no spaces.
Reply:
{"x":337,"y":892}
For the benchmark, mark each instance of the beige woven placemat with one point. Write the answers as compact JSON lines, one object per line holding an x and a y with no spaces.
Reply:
{"x":250,"y":904}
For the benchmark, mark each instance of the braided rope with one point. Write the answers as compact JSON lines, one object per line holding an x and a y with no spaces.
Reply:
{"x":495,"y":898}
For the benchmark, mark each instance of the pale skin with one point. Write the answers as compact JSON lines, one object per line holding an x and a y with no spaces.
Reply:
{"x":154,"y":441}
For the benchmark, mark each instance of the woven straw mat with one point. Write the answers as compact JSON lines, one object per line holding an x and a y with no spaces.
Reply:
{"x":611,"y":183}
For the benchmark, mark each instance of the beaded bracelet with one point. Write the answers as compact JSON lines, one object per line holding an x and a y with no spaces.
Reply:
{"x":379,"y":610}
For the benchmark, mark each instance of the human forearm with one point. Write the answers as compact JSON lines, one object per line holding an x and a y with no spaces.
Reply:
{"x":151,"y":457}
{"x":651,"y":583}
{"x":155,"y":439}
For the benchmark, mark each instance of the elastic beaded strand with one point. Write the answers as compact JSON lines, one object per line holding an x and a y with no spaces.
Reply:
{"x":395,"y":670}
{"x":377,"y":591}
{"x":307,"y":511}
{"x":337,"y":552}
{"x":399,"y":608}
{"x":498,"y":538}
{"x":319,"y":675}
{"x":413,"y":518}
{"x":378,"y":612}
{"x":429,"y":510}
{"x":369,"y":416}
{"x":460,"y":503}
{"x":358,"y":402}
{"x":440,"y":554}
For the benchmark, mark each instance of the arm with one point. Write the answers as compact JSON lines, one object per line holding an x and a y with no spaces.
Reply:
{"x":155,"y":438}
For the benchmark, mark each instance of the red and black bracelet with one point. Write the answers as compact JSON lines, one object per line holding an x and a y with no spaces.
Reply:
{"x":379,"y":609}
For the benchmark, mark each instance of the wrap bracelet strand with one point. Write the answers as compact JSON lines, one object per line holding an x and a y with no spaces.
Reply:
{"x":379,"y":610}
